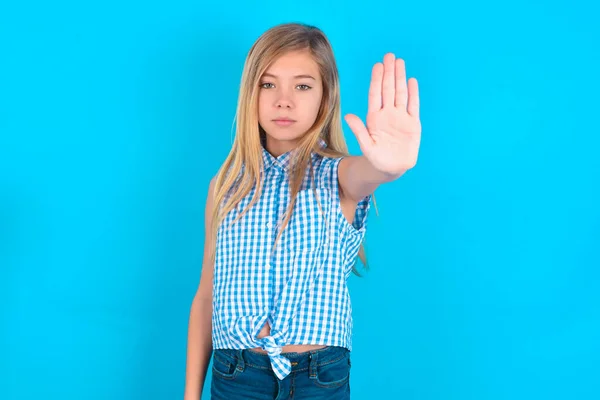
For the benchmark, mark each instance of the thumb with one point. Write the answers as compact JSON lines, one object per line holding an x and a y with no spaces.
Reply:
{"x":359,"y":129}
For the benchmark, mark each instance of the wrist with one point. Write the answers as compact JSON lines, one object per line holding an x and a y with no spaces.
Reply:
{"x":376,"y":175}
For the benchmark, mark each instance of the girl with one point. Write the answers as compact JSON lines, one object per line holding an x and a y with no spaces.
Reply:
{"x":285,"y":219}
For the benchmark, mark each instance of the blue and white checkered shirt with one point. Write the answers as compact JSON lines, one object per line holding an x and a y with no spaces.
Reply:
{"x":301,"y":289}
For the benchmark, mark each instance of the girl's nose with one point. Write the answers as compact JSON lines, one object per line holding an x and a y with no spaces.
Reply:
{"x":284,"y":100}
{"x":281,"y":104}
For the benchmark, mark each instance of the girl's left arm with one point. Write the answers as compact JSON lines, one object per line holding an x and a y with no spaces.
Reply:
{"x":390,"y":140}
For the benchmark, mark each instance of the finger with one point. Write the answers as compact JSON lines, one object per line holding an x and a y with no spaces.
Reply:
{"x":360,"y":130}
{"x":401,"y":89}
{"x":413,"y":97}
{"x":375,"y":88}
{"x":388,"y":80}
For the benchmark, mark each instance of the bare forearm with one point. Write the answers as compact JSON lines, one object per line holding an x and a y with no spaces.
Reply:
{"x":199,"y":349}
{"x":360,"y":178}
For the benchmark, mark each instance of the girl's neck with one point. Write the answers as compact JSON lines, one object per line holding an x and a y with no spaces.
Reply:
{"x":279,"y":147}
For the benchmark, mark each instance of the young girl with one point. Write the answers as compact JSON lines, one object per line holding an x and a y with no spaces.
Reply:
{"x":285,"y":220}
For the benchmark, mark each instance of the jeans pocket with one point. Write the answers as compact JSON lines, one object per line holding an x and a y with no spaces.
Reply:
{"x":224,"y":366}
{"x":334,"y":373}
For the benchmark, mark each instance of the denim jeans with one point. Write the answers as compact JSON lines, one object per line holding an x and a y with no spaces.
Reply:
{"x":246,"y":374}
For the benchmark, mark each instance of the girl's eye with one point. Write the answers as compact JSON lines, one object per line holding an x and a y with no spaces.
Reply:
{"x":268,"y":85}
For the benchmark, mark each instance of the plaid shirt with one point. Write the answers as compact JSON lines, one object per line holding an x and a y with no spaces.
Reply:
{"x":300,"y":289}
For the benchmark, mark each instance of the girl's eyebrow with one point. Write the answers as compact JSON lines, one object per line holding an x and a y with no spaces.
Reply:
{"x":295,"y":77}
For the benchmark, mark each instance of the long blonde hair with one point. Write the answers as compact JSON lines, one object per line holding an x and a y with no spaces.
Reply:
{"x":242,"y":168}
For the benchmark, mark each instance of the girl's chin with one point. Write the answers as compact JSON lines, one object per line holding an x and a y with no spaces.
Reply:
{"x":282,"y":135}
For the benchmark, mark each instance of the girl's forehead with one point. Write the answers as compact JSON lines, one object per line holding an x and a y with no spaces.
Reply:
{"x":292,"y":64}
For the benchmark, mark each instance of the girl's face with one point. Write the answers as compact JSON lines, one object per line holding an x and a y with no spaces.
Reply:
{"x":289,"y":99}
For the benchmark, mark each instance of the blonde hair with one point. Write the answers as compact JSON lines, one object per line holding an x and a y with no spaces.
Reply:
{"x":241,"y":170}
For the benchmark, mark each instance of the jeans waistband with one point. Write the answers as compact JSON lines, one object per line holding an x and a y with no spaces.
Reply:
{"x":299,"y":360}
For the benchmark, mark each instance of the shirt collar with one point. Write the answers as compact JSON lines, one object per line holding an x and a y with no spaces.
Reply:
{"x":283,"y":160}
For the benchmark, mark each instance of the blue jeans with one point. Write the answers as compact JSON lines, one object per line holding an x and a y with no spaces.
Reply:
{"x":246,"y":374}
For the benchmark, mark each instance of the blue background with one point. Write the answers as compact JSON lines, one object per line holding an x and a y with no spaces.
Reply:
{"x":484,"y":280}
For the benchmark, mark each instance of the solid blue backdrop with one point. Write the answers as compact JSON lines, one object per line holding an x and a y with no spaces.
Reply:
{"x":484,"y":280}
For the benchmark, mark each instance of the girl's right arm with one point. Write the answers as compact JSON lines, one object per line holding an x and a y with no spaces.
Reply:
{"x":199,"y":349}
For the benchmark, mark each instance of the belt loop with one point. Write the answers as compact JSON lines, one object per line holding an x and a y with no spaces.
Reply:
{"x":312,"y":366}
{"x":240,"y":361}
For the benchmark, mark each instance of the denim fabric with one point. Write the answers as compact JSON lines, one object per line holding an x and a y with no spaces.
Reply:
{"x":246,"y":374}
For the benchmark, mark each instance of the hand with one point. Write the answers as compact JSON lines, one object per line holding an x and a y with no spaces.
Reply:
{"x":391,"y":139}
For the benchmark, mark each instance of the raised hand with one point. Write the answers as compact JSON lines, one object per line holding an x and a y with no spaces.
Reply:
{"x":391,"y":138}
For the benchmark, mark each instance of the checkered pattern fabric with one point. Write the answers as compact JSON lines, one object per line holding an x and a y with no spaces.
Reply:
{"x":300,"y":288}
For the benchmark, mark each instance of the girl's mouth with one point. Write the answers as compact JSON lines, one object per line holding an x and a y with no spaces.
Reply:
{"x":284,"y":122}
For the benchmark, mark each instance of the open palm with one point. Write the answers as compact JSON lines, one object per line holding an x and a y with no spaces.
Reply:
{"x":391,"y":138}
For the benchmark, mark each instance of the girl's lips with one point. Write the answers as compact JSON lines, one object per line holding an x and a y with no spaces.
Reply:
{"x":284,"y":122}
